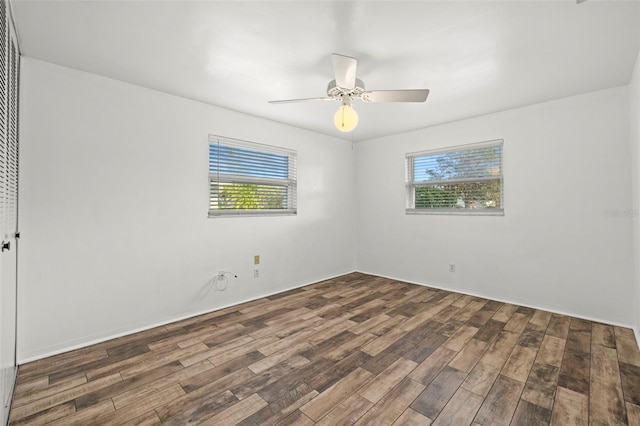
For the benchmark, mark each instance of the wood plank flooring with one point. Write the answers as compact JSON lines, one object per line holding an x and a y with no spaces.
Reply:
{"x":357,"y":349}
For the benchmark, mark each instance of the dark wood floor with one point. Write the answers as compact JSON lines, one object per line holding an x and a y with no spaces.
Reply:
{"x":353,"y":350}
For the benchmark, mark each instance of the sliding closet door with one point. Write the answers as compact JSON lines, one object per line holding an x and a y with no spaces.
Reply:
{"x":9,"y":69}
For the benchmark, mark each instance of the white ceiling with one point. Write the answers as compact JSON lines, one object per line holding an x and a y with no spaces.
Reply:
{"x":477,"y":57}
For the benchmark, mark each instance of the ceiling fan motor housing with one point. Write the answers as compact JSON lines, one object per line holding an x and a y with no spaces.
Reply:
{"x":336,"y":92}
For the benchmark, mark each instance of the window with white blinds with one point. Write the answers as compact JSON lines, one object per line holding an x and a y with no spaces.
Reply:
{"x":11,"y":194}
{"x":464,"y":179}
{"x":247,"y":178}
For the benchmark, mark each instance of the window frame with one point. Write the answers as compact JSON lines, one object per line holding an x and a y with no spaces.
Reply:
{"x":411,"y":185}
{"x":291,"y":182}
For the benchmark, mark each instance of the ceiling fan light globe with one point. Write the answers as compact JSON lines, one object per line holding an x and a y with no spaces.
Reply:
{"x":346,"y":118}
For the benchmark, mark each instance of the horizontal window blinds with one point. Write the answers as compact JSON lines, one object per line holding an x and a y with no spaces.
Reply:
{"x":4,"y":120}
{"x":11,"y":226}
{"x":465,"y":179}
{"x":250,"y":178}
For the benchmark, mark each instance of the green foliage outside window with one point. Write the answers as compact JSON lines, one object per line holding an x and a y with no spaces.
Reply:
{"x":251,"y":196}
{"x":463,"y":178}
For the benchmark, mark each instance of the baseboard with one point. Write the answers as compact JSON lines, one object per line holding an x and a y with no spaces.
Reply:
{"x":512,"y":302}
{"x":116,"y":334}
{"x":120,"y":333}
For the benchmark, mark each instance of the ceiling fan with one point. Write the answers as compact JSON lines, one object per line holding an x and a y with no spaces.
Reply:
{"x":346,"y":87}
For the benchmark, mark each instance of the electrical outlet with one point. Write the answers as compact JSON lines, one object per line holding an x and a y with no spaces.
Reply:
{"x":452,"y":267}
{"x":256,"y":273}
{"x":220,"y":281}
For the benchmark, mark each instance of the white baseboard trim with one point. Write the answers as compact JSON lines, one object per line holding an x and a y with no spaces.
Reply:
{"x":115,"y":334}
{"x":71,"y":346}
{"x":484,"y":296}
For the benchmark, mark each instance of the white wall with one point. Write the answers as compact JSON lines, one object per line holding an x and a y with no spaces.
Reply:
{"x":634,"y":90}
{"x":113,"y":210}
{"x":565,"y":163}
{"x":115,"y":236}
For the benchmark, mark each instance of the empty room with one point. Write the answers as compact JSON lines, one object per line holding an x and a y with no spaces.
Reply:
{"x":320,"y":212}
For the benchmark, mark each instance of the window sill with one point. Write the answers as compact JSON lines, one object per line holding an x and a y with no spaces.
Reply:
{"x":457,"y":212}
{"x":248,"y":213}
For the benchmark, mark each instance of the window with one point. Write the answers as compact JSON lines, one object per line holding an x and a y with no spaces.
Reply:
{"x":464,"y":179}
{"x":250,"y":178}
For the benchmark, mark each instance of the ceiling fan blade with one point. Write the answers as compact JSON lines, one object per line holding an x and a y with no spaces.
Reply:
{"x":410,"y":95}
{"x":344,"y":69}
{"x":287,"y":101}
